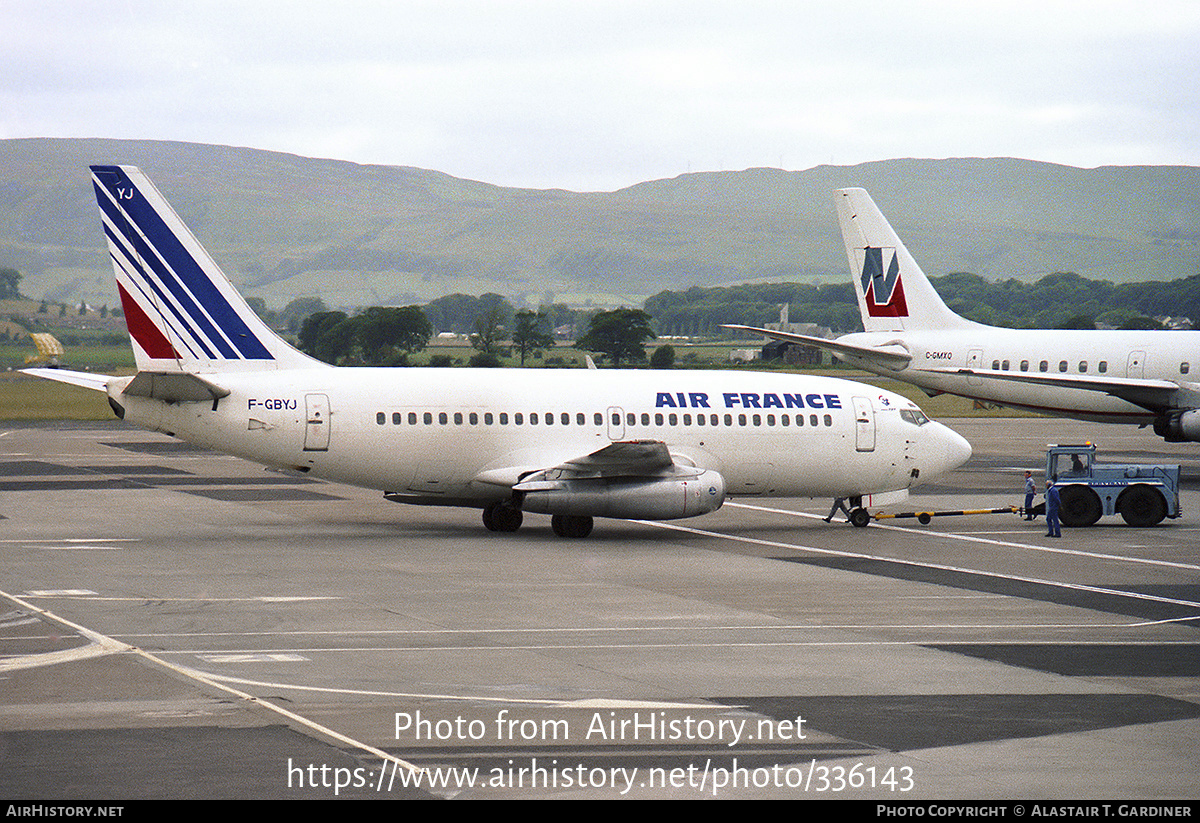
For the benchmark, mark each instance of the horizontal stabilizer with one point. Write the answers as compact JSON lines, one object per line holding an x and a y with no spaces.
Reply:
{"x":88,"y":380}
{"x":894,"y":356}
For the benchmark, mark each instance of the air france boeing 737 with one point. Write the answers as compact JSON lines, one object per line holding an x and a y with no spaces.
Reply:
{"x":1140,"y":377}
{"x":574,"y":444}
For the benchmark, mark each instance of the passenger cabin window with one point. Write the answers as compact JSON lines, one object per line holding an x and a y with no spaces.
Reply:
{"x":380,"y":418}
{"x":995,"y":365}
{"x":1024,"y":365}
{"x":1043,"y":366}
{"x":1062,"y":365}
{"x":1184,"y":367}
{"x":1102,"y":366}
{"x":1004,"y":365}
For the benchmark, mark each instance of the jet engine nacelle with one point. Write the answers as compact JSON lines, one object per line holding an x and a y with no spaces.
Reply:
{"x":631,"y":498}
{"x":1179,"y":426}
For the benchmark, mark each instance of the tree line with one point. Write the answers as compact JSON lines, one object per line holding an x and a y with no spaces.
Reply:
{"x":1060,"y":300}
{"x":387,"y":336}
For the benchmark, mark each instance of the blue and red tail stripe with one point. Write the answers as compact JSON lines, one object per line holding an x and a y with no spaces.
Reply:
{"x":167,"y":273}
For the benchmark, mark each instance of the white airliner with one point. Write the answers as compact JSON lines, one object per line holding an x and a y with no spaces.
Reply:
{"x":1140,"y":377}
{"x":574,"y":444}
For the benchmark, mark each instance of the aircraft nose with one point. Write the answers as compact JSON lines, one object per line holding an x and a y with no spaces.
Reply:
{"x":948,"y":450}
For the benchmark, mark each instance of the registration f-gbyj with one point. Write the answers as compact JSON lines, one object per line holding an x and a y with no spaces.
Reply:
{"x":573,"y":444}
{"x":1140,"y":377}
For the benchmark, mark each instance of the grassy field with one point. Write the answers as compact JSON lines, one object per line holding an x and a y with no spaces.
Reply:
{"x":31,"y":398}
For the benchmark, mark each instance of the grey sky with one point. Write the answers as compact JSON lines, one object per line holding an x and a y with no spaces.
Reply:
{"x":600,"y":95}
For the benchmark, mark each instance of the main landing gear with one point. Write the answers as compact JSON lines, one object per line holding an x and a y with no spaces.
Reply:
{"x":502,"y":516}
{"x":570,"y":525}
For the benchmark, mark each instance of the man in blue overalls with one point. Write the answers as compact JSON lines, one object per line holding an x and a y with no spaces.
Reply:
{"x":1052,"y":501}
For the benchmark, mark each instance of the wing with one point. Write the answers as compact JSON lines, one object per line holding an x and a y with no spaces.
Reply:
{"x":889,"y":356}
{"x":640,"y":458}
{"x":634,"y":479}
{"x":631,"y":458}
{"x":1154,"y":395}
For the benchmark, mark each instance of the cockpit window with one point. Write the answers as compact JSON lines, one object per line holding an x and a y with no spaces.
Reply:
{"x":914,"y":416}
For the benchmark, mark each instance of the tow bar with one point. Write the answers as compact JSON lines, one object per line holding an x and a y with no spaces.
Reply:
{"x":924,"y":517}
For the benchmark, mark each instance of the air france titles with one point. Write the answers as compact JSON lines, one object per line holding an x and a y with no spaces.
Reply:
{"x":748,"y":400}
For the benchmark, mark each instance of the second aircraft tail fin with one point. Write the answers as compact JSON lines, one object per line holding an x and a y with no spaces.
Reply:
{"x":893,"y":293}
{"x":182,"y":312}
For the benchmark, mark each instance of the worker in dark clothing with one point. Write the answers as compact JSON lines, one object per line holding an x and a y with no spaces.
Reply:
{"x":1030,"y":492}
{"x":1052,"y":502}
{"x":838,"y":503}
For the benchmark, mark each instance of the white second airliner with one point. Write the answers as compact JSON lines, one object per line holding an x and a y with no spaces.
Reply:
{"x":1141,"y":377}
{"x":574,"y":444}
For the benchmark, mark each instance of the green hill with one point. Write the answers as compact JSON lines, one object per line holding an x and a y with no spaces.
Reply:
{"x":284,"y":226}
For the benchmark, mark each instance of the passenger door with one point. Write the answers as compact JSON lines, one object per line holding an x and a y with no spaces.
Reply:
{"x":864,"y":424}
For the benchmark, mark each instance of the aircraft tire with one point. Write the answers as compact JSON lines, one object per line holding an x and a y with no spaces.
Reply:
{"x":489,"y":517}
{"x":1141,"y":506}
{"x":508,"y":517}
{"x":574,"y":526}
{"x":1079,"y":506}
{"x":502,"y":516}
{"x":860,"y":517}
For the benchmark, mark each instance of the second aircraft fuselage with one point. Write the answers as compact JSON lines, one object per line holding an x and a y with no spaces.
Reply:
{"x":1164,"y":355}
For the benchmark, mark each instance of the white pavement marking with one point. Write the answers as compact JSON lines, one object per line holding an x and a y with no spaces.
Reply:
{"x":971,"y":539}
{"x":755,"y":541}
{"x":532,"y":701}
{"x":111,"y":646}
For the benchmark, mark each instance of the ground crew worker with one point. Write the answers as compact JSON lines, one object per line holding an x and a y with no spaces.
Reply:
{"x":1052,"y":502}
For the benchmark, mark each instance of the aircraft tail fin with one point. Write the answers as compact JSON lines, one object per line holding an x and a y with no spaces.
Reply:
{"x":893,"y":293}
{"x":182,"y":312}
